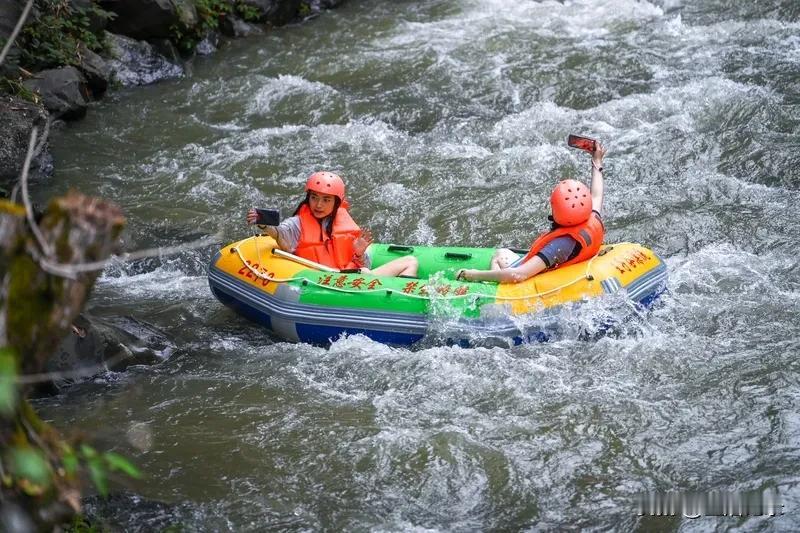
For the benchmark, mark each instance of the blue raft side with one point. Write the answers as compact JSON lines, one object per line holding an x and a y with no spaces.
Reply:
{"x":250,"y":313}
{"x":316,"y":334}
{"x":313,"y":333}
{"x":324,"y":335}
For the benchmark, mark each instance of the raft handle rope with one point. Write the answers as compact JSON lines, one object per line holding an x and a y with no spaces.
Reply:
{"x":475,"y":295}
{"x":291,"y":257}
{"x":301,"y":260}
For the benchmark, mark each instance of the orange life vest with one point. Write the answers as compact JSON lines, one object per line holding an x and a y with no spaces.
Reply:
{"x":335,"y":251}
{"x":589,"y":235}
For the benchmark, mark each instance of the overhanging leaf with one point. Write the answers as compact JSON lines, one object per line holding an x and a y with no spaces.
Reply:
{"x":8,"y":385}
{"x":98,"y":475}
{"x":118,"y":462}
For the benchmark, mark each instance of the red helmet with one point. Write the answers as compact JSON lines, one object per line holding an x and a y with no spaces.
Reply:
{"x":571,"y":203}
{"x":326,"y":183}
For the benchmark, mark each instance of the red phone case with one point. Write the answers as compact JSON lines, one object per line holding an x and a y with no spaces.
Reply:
{"x":582,"y":143}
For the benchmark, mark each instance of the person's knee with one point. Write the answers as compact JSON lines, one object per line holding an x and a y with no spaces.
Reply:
{"x":412,"y":264}
{"x":503,"y":258}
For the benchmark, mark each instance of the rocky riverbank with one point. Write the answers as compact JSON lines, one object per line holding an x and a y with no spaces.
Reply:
{"x":71,"y":51}
{"x":69,"y":54}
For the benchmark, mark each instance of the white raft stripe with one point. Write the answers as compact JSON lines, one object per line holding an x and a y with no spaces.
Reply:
{"x":648,"y":283}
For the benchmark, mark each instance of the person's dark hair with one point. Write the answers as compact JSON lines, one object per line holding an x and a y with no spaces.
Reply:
{"x":336,"y":203}
{"x":553,"y":224}
{"x":300,"y":205}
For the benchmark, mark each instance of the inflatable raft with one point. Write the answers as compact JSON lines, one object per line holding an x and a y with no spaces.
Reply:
{"x":300,"y":303}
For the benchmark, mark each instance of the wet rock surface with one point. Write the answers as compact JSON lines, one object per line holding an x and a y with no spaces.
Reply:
{"x":96,"y":70}
{"x":138,"y":63}
{"x":208,"y":45}
{"x":64,"y":92}
{"x":233,"y":26}
{"x":96,"y":345}
{"x":318,"y":5}
{"x":18,"y":118}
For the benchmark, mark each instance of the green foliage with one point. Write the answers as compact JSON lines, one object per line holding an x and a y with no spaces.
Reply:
{"x":70,"y":461}
{"x":209,"y":12}
{"x":248,"y":12}
{"x":45,"y":464}
{"x":15,"y":88}
{"x":100,"y":465}
{"x":30,"y":469}
{"x":53,"y":35}
{"x":8,"y":386}
{"x":305,"y":10}
{"x":117,"y":462}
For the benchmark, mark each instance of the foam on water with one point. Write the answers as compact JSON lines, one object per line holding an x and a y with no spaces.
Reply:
{"x":296,"y":96}
{"x":448,"y":121}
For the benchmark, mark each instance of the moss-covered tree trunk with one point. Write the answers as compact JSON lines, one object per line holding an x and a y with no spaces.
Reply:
{"x":38,"y":469}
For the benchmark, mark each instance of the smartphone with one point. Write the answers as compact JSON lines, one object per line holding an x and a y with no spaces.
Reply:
{"x":582,"y":143}
{"x":268,"y":217}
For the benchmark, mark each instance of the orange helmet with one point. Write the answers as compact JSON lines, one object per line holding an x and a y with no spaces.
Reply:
{"x":326,"y":183}
{"x":571,"y":203}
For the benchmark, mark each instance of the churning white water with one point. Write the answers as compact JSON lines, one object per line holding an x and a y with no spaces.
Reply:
{"x":448,"y":120}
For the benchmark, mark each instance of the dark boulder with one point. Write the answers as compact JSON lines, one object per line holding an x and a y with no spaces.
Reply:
{"x":10,"y":11}
{"x":97,"y":345}
{"x":167,"y":48}
{"x":18,"y":118}
{"x":276,"y":12}
{"x":149,"y":19}
{"x":137,"y":62}
{"x":64,"y":92}
{"x":233,"y":26}
{"x":96,"y":70}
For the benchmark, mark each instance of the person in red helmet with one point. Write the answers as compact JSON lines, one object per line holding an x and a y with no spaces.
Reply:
{"x":576,"y":234}
{"x":321,"y":230}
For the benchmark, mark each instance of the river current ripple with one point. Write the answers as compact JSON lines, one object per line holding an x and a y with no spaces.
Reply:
{"x":448,"y":120}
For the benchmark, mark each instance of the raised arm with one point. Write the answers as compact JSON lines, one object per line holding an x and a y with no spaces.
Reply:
{"x":597,"y":177}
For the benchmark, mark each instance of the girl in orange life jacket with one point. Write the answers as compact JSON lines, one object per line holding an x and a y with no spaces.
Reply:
{"x":576,"y":235}
{"x":322,"y":230}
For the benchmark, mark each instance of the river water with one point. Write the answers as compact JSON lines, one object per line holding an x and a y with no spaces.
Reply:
{"x":448,"y":120}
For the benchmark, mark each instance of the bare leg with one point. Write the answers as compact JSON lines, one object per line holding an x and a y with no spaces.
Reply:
{"x":402,"y":266}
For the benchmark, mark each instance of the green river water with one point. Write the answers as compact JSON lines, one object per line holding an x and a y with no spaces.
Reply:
{"x":448,"y":121}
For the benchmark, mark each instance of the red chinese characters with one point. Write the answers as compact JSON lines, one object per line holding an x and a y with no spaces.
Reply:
{"x":632,"y":261}
{"x":410,"y":287}
{"x":462,"y":290}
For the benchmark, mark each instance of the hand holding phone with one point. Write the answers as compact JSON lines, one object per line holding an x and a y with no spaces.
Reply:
{"x":268,"y":217}
{"x":582,"y":143}
{"x":263,"y":217}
